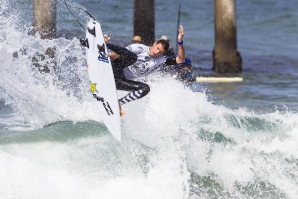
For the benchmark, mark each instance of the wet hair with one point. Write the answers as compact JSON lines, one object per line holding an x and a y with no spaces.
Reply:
{"x":165,"y":44}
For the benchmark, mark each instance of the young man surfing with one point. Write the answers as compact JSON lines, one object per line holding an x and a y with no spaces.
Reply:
{"x":136,"y":61}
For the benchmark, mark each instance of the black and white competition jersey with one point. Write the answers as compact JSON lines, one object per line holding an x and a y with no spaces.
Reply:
{"x":144,"y":64}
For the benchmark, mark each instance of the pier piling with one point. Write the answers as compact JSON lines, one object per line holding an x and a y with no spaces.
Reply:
{"x":144,"y":20}
{"x":226,"y":58}
{"x":44,"y":18}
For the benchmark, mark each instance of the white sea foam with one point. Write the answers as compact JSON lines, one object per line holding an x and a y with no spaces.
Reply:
{"x":162,"y":145}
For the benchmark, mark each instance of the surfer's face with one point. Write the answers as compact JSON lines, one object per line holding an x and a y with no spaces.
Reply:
{"x":156,"y":50}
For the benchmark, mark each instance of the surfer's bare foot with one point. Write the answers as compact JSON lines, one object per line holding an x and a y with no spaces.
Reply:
{"x":121,"y":111}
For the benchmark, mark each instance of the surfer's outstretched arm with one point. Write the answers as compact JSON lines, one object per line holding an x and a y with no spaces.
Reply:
{"x":125,"y":56}
{"x":181,"y":53}
{"x":122,"y":56}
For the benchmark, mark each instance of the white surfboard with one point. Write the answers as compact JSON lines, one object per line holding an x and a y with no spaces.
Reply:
{"x":101,"y":78}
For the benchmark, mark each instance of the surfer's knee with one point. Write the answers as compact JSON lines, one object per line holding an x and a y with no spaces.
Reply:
{"x":145,"y":89}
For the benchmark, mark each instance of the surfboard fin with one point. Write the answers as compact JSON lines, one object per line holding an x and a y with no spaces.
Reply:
{"x":101,"y":48}
{"x":101,"y":51}
{"x":92,"y":31}
{"x":84,"y":42}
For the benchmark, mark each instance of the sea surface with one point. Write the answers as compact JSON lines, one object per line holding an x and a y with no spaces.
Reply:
{"x":202,"y":141}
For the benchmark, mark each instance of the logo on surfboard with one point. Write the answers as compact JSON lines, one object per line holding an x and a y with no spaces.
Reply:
{"x":102,"y":53}
{"x":93,"y":87}
{"x":108,"y":108}
{"x":105,"y":104}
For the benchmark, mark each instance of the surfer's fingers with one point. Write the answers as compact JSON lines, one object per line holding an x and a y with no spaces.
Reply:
{"x":181,"y":29}
{"x":106,"y":37}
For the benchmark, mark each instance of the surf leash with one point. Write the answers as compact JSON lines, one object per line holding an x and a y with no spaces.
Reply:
{"x":76,"y":7}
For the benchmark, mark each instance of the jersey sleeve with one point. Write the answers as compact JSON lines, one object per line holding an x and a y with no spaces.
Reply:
{"x":171,"y":61}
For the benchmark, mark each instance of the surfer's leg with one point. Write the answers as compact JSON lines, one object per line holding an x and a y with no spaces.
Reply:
{"x":138,"y":89}
{"x":122,"y":113}
{"x":126,"y":58}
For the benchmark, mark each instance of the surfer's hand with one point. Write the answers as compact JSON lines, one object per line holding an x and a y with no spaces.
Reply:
{"x":106,"y":38}
{"x":181,"y":33}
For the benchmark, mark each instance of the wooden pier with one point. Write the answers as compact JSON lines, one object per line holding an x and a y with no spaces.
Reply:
{"x":226,"y":58}
{"x":44,"y":18}
{"x":144,"y":20}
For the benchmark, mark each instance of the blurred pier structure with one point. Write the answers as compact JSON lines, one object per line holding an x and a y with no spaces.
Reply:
{"x":226,"y":58}
{"x":44,"y":18}
{"x":144,"y":20}
{"x":44,"y":22}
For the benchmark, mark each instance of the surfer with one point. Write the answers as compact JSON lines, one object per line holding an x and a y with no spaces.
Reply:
{"x":138,"y":60}
{"x":137,"y":39}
